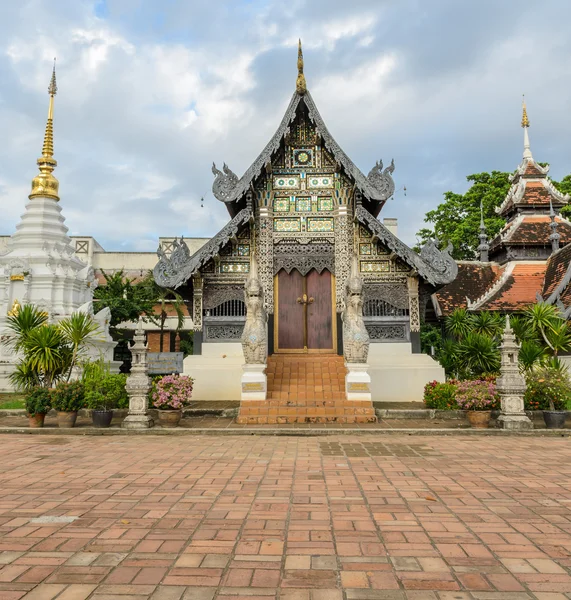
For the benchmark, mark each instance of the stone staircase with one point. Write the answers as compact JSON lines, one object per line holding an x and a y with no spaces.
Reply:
{"x":306,"y":388}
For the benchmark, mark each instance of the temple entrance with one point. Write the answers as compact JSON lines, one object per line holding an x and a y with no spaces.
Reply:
{"x":305,"y":319}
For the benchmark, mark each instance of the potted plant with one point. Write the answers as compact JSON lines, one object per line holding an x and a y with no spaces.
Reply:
{"x":104,"y":391}
{"x":38,"y":404}
{"x":67,"y":399}
{"x":170,"y":394}
{"x":478,"y":398}
{"x":549,"y":389}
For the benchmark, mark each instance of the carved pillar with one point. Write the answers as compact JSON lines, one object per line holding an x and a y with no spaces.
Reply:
{"x":197,"y":303}
{"x":138,"y":384}
{"x":265,"y":255}
{"x":343,"y":253}
{"x":414,"y":313}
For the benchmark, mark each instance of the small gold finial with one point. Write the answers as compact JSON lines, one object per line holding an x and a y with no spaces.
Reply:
{"x":524,"y":118}
{"x":45,"y":185}
{"x":300,"y":85}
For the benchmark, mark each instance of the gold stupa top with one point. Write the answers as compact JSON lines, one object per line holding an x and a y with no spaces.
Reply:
{"x":300,"y":85}
{"x":524,"y":118}
{"x":45,"y":185}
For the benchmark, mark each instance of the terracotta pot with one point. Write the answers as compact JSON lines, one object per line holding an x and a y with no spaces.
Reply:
{"x":36,"y":420}
{"x":554,"y":419}
{"x":101,"y":418}
{"x":480,"y":419}
{"x":169,"y":418}
{"x":66,"y":419}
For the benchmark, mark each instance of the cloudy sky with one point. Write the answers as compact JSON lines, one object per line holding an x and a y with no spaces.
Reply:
{"x":150,"y":93}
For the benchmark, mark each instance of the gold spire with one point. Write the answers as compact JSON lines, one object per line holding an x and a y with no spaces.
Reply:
{"x":300,"y":85}
{"x":45,"y":185}
{"x":524,"y":118}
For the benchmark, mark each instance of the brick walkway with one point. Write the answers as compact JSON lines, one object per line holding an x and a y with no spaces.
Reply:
{"x":296,"y":518}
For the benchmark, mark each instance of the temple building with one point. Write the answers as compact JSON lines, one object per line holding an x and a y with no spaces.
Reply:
{"x":304,"y":211}
{"x":529,"y":259}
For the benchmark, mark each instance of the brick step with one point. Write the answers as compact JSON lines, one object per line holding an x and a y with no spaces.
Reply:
{"x":271,"y":420}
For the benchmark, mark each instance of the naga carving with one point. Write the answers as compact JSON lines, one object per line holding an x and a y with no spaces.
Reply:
{"x":381,"y":180}
{"x":355,"y":335}
{"x":254,"y":337}
{"x":440,"y":260}
{"x":224,"y":183}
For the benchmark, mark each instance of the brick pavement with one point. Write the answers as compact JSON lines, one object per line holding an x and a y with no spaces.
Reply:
{"x":287,"y":518}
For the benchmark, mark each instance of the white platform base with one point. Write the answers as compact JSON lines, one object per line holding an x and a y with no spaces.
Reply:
{"x":358,"y":382}
{"x":514,"y":421}
{"x":254,"y":382}
{"x":217,"y":373}
{"x":398,"y":375}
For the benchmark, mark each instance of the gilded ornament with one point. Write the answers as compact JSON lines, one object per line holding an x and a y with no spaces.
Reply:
{"x":15,"y":310}
{"x":45,"y":185}
{"x":300,"y":84}
{"x":17,"y":277}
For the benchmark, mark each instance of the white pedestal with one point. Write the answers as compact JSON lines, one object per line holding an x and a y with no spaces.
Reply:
{"x":254,"y":382}
{"x":358,"y":382}
{"x":513,"y":415}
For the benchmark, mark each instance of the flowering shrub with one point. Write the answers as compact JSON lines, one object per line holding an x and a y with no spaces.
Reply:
{"x":547,"y":389}
{"x":172,"y":392}
{"x":477,"y":395}
{"x":441,"y":396}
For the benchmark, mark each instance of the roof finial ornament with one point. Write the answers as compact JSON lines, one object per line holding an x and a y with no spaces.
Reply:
{"x":484,"y":247}
{"x":45,"y":185}
{"x":525,"y":125}
{"x":555,"y":237}
{"x":300,"y":85}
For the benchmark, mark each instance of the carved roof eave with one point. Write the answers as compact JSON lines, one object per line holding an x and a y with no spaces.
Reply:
{"x":361,"y":181}
{"x":174,"y":271}
{"x":433,"y":265}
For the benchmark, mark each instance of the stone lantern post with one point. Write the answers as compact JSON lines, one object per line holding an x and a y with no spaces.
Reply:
{"x":138,"y":384}
{"x":511,"y":384}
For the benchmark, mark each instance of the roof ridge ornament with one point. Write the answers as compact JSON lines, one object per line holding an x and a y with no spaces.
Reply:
{"x":300,"y":84}
{"x":381,"y":180}
{"x":525,"y":124}
{"x":45,"y":185}
{"x":224,"y":183}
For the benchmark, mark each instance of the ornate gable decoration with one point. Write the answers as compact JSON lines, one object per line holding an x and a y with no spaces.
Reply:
{"x":381,"y":180}
{"x":174,"y":270}
{"x":224,"y":183}
{"x":435,"y":266}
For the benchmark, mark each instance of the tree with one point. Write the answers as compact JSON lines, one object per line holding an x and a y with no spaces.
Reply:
{"x":125,"y":299}
{"x":457,"y":219}
{"x":164,"y":298}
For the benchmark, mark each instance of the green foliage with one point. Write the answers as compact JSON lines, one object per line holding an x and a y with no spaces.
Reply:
{"x":38,"y":401}
{"x":490,"y":324}
{"x":530,"y":353}
{"x":125,"y":300}
{"x":459,"y":323}
{"x":545,"y":321}
{"x":548,"y":388}
{"x":457,"y":219}
{"x":68,"y":396}
{"x":441,"y":396}
{"x":187,"y":347}
{"x":564,"y":186}
{"x":104,"y":390}
{"x":478,"y":355}
{"x":49,"y":351}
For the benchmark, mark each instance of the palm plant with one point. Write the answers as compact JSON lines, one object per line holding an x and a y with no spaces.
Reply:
{"x":544,"y":319}
{"x":28,"y":318}
{"x":77,"y":330}
{"x":530,"y":354}
{"x":459,"y":323}
{"x":478,"y":354}
{"x":488,"y":323}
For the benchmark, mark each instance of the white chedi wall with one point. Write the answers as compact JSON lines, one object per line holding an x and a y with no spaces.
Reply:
{"x":39,"y":267}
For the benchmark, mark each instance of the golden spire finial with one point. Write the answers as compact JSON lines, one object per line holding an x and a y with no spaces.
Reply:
{"x":300,"y":85}
{"x":524,"y":118}
{"x":45,"y":185}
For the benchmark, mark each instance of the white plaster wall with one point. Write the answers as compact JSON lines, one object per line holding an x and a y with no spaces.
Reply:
{"x":217,"y":373}
{"x":398,"y":375}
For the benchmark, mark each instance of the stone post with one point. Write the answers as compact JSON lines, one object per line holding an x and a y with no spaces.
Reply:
{"x":511,"y":384}
{"x":138,"y":384}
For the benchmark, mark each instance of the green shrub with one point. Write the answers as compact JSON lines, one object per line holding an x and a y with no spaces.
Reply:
{"x":441,"y":396}
{"x":548,"y":388}
{"x":104,"y":390}
{"x":68,"y":397}
{"x":38,"y":401}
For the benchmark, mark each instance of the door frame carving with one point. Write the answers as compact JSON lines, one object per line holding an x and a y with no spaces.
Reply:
{"x":278,"y":350}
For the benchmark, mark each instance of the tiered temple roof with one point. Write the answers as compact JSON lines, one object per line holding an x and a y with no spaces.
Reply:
{"x":526,"y":261}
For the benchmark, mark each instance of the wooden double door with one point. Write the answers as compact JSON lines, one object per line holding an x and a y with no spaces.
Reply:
{"x":305,"y":312}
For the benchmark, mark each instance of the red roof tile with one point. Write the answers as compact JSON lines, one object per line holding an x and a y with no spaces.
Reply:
{"x":520,"y":288}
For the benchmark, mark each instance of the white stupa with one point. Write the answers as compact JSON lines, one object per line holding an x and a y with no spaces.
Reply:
{"x":39,"y":265}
